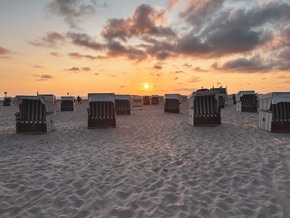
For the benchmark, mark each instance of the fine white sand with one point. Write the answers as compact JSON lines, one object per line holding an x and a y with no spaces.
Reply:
{"x":151,"y":165}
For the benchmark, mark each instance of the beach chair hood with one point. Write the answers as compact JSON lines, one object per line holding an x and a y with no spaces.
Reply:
{"x":101,"y":97}
{"x":48,"y":101}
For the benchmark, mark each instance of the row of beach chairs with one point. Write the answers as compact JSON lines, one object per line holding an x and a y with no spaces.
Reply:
{"x":36,"y":113}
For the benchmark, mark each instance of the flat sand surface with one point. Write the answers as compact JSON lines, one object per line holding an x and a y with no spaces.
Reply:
{"x":153,"y":164}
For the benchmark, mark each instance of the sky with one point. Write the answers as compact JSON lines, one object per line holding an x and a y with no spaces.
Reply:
{"x":143,"y":47}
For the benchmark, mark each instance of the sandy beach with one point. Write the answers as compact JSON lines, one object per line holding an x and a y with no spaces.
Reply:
{"x":153,"y":164}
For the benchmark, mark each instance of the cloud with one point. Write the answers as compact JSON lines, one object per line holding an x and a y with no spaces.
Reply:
{"x":194,"y":79}
{"x":86,"y":69}
{"x":157,"y":67}
{"x":77,"y":69}
{"x":55,"y":54}
{"x":50,"y":40}
{"x":84,"y":40}
{"x":73,"y":11}
{"x":73,"y":69}
{"x":198,"y":12}
{"x":38,"y":66}
{"x":43,"y":77}
{"x":116,"y":49}
{"x":252,"y":65}
{"x":187,"y":65}
{"x":145,"y":21}
{"x":179,"y":71}
{"x":173,"y":3}
{"x":198,"y":69}
{"x":76,"y":55}
{"x":3,"y":51}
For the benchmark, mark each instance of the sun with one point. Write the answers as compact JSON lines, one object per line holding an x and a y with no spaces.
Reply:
{"x":146,"y":86}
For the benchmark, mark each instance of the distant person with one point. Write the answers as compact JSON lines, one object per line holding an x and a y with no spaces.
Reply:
{"x":79,"y":99}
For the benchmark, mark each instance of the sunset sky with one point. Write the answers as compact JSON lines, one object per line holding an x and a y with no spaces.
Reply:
{"x":143,"y":47}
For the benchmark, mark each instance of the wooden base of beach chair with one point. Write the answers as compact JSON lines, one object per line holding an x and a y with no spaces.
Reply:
{"x":176,"y":111}
{"x":123,"y":112}
{"x":6,"y":103}
{"x":31,"y":128}
{"x":94,"y":123}
{"x":66,"y":109}
{"x":200,"y":121}
{"x":280,"y":126}
{"x":249,"y":109}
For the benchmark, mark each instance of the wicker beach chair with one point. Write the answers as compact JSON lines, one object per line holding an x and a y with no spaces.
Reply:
{"x":67,"y":103}
{"x":101,"y":111}
{"x":172,"y":103}
{"x":36,"y":114}
{"x":123,"y":105}
{"x":246,"y":101}
{"x":274,"y":113}
{"x":204,"y":108}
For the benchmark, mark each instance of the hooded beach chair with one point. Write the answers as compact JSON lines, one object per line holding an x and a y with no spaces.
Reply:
{"x":67,"y":103}
{"x":101,"y":111}
{"x":123,"y":104}
{"x":146,"y":100}
{"x":136,"y":101}
{"x":246,"y":101}
{"x":36,"y":114}
{"x":7,"y":101}
{"x":172,"y":103}
{"x":155,"y":99}
{"x":204,"y":108}
{"x":274,"y":114}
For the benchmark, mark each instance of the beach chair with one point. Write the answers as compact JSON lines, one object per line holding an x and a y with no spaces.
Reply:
{"x":172,"y":103}
{"x":67,"y":103}
{"x":101,"y":111}
{"x":184,"y":98}
{"x":123,"y":104}
{"x":136,"y":101}
{"x":155,"y":99}
{"x":274,"y":113}
{"x":204,"y":108}
{"x":36,"y":114}
{"x":7,"y":101}
{"x":246,"y":101}
{"x":146,"y":100}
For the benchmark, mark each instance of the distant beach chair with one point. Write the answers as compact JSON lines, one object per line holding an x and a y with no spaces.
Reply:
{"x":274,"y":114}
{"x":101,"y":111}
{"x":204,"y":108}
{"x":36,"y":114}
{"x":136,"y":101}
{"x":67,"y":103}
{"x":172,"y":103}
{"x":146,"y":100}
{"x":123,"y":105}
{"x":155,"y":99}
{"x":184,"y":98}
{"x":246,"y":101}
{"x":7,"y":101}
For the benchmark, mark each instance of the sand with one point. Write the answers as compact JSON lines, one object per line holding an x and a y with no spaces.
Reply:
{"x":151,"y":165}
